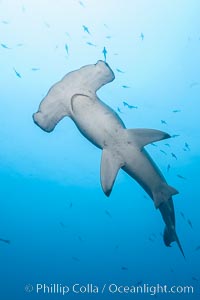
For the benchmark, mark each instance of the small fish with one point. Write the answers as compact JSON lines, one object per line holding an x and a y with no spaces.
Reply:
{"x":154,"y":145}
{"x":176,"y":111}
{"x":17,"y":73}
{"x":67,"y":33}
{"x":187,"y":146}
{"x":129,"y":106}
{"x":5,"y":22}
{"x":35,"y":69}
{"x":163,"y":151}
{"x":142,"y":36}
{"x":124,"y":268}
{"x":23,"y":8}
{"x":91,"y":44}
{"x":190,"y":223}
{"x":104,"y":53}
{"x":108,"y":37}
{"x":168,"y":167}
{"x":180,"y":176}
{"x":47,"y":24}
{"x":20,"y":45}
{"x":85,"y":28}
{"x":197,"y":248}
{"x":119,"y":71}
{"x":67,"y":49}
{"x":163,"y":122}
{"x":175,"y":135}
{"x":173,"y":155}
{"x":81,"y":3}
{"x":75,"y":258}
{"x":194,"y":278}
{"x":182,"y":215}
{"x":5,"y":241}
{"x":108,"y":214}
{"x":168,"y":145}
{"x":193,"y":84}
{"x":150,"y":239}
{"x":80,"y":238}
{"x":5,"y":46}
{"x":119,"y":110}
{"x":126,"y":87}
{"x":62,"y":225}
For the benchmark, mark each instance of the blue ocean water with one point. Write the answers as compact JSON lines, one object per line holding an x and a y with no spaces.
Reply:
{"x":57,"y":228}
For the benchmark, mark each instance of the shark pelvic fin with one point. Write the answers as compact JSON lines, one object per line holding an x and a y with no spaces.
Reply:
{"x":142,"y":136}
{"x":110,"y":165}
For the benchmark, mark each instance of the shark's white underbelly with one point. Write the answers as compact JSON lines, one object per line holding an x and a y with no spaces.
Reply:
{"x":99,"y":124}
{"x":96,"y":121}
{"x":140,"y":166}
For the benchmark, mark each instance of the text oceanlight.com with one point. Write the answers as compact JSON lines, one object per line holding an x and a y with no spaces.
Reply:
{"x":111,"y":288}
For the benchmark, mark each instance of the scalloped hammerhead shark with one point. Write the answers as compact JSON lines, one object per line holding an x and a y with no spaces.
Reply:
{"x":75,"y":96}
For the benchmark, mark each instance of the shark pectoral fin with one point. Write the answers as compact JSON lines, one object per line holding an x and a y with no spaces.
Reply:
{"x":163,"y":193}
{"x":110,"y":165}
{"x":143,"y":136}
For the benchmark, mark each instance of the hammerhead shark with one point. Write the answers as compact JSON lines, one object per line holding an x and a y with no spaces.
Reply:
{"x":75,"y":96}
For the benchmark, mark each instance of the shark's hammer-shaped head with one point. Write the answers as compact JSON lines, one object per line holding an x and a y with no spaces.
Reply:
{"x":57,"y":103}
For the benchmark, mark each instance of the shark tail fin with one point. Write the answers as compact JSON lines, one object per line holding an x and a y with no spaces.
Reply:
{"x":171,"y":236}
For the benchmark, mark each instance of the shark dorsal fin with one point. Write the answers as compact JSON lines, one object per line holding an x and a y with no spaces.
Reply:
{"x":110,"y":165}
{"x":142,"y":136}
